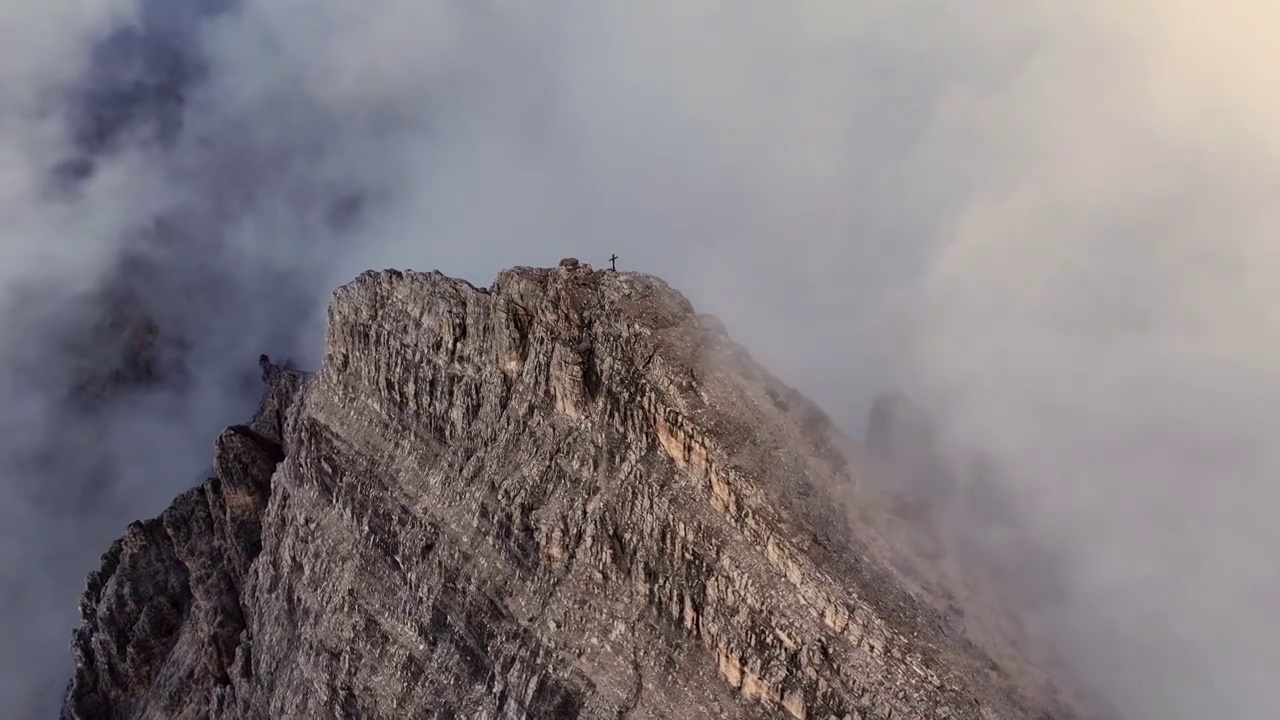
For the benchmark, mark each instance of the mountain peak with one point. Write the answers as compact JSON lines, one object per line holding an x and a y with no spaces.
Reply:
{"x":564,"y":495}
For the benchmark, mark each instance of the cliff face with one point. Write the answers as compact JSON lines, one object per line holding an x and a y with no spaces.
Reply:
{"x":567,"y":495}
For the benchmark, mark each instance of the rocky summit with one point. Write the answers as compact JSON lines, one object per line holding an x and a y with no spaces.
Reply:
{"x":567,"y":495}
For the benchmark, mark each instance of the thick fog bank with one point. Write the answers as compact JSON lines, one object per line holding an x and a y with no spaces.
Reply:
{"x":1051,"y":223}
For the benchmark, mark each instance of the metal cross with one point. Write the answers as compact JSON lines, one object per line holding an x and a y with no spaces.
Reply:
{"x":613,"y":262}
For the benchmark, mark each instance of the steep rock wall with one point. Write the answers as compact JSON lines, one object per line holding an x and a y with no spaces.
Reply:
{"x":565,"y":495}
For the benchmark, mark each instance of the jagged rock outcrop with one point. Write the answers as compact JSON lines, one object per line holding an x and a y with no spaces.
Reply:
{"x":566,"y":495}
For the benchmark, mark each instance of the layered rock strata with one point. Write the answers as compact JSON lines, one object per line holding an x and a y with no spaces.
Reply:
{"x":565,"y":495}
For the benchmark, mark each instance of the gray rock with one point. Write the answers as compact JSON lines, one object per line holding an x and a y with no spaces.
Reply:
{"x":566,"y":495}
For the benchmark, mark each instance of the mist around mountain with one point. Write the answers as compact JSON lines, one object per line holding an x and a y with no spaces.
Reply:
{"x":563,"y":495}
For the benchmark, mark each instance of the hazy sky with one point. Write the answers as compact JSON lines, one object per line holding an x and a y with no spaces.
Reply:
{"x":1053,"y":222}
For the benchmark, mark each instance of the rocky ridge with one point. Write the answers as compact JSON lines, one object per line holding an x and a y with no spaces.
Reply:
{"x":564,"y":495}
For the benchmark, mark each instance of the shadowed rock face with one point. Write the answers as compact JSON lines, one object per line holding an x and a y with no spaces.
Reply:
{"x":567,"y":495}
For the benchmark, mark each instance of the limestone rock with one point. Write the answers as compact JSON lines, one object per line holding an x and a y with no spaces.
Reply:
{"x":565,"y":495}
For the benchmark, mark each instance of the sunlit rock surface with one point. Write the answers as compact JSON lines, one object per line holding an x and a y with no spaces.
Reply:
{"x":566,"y":495}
